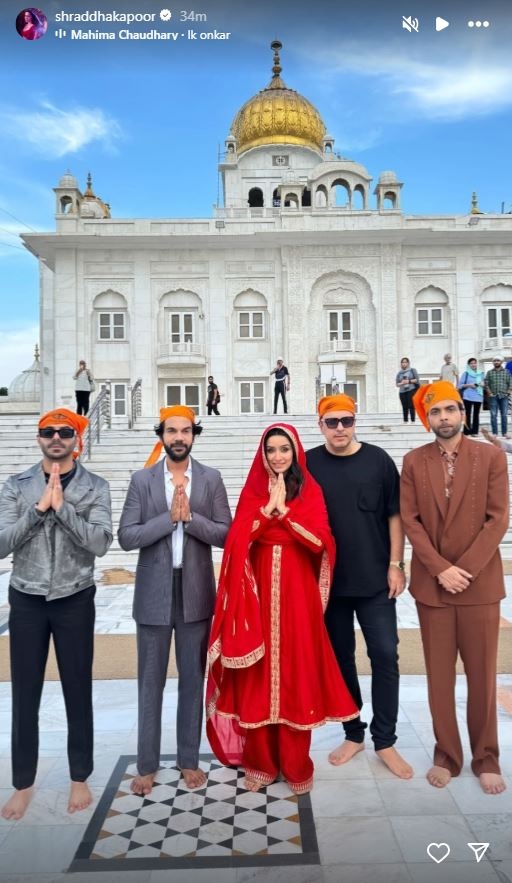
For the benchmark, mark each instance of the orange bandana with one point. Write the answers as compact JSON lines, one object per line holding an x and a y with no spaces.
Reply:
{"x":427,"y":396}
{"x":165,"y":413}
{"x":63,"y":416}
{"x":339,"y":402}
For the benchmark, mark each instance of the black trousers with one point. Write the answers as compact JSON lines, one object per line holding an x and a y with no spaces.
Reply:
{"x":213,"y":406}
{"x":407,"y":405}
{"x":472,"y":417}
{"x":280,"y":390}
{"x":70,"y":621}
{"x":82,"y":401}
{"x":377,"y":617}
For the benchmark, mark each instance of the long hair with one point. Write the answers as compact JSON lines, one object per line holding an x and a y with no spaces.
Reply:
{"x":294,"y":478}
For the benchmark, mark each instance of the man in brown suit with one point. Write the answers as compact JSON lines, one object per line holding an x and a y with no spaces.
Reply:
{"x":455,"y":510}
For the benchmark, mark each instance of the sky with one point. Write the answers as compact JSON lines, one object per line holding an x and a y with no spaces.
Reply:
{"x":148,"y":118}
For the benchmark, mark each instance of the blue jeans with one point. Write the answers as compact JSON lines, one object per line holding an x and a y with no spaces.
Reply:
{"x":496,"y":403}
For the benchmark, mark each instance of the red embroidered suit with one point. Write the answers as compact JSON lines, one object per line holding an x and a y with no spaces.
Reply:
{"x":271,"y":662}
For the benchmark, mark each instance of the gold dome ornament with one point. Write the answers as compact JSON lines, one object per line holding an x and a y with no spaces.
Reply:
{"x":278,"y":115}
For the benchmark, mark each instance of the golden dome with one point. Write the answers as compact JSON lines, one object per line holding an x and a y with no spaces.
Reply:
{"x":278,"y":115}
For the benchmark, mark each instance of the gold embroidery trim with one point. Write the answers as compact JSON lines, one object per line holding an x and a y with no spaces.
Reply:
{"x":255,"y":525}
{"x":243,"y":661}
{"x":275,"y":634}
{"x":324,"y":580}
{"x":282,"y":720}
{"x":305,"y":533}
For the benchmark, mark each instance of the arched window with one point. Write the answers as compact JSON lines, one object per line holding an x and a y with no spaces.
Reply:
{"x":359,"y":197}
{"x":431,"y":304}
{"x":250,"y":311}
{"x":255,"y":199}
{"x":111,"y":316}
{"x":321,"y":197}
{"x":179,"y":321}
{"x":389,"y":200}
{"x":291,"y":200}
{"x":341,"y":190}
{"x":497,"y":301}
{"x":306,"y":197}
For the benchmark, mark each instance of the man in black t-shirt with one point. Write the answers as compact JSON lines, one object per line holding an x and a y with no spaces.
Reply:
{"x":360,"y":483}
{"x":282,"y":384}
{"x":212,"y":397}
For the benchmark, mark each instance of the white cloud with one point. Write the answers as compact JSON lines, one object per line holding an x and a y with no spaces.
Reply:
{"x":441,"y":87}
{"x":16,"y":351}
{"x":55,"y":133}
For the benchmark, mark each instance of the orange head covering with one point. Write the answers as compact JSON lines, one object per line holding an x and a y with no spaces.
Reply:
{"x":165,"y":413}
{"x":427,"y":396}
{"x":60,"y":416}
{"x":339,"y":402}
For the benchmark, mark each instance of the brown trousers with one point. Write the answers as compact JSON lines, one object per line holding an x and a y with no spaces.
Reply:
{"x":473,"y":632}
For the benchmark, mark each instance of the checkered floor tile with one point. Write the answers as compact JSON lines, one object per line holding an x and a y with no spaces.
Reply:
{"x":219,"y":825}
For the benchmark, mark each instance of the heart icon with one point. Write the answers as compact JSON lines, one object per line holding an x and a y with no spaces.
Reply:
{"x":438,"y":852}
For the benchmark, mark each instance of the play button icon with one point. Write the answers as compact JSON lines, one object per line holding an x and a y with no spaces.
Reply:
{"x":441,"y":24}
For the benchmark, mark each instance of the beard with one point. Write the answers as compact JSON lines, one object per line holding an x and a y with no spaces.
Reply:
{"x":177,"y":456}
{"x":447,"y":431}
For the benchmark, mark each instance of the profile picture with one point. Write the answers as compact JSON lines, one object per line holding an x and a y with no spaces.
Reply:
{"x":31,"y":23}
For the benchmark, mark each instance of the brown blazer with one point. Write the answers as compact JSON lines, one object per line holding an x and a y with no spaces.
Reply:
{"x":465,"y":530}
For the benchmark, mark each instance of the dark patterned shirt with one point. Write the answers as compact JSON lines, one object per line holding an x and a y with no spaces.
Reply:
{"x":499,"y":382}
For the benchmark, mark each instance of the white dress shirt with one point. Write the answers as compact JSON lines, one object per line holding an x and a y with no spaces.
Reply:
{"x":177,"y":535}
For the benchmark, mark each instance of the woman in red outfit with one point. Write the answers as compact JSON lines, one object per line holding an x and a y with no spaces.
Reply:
{"x":273,"y":675}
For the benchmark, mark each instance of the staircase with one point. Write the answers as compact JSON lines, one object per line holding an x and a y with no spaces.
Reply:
{"x":227,"y":443}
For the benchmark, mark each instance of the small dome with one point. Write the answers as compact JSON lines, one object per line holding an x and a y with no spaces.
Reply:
{"x":388,"y":178}
{"x":68,"y":181}
{"x":26,"y":387}
{"x":278,"y":115}
{"x":91,"y":206}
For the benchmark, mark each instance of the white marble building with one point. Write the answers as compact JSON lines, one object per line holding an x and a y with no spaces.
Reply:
{"x":304,"y":261}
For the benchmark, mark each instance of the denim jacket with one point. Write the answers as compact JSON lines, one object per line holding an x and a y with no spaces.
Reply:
{"x":53,"y":553}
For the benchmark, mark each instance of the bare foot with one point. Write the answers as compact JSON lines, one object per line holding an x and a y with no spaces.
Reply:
{"x":142,"y":785}
{"x":252,"y":784}
{"x":80,"y":796}
{"x":193,"y":778}
{"x":395,"y":762}
{"x":439,"y":776}
{"x":16,"y":806}
{"x":345,"y":752}
{"x":492,"y":783}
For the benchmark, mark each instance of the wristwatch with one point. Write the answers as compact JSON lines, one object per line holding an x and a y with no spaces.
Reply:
{"x":399,"y":564}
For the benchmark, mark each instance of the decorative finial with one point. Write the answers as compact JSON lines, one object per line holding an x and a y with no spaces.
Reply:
{"x":36,"y":353}
{"x":276,"y":81}
{"x":89,"y":190}
{"x":276,"y":45}
{"x":474,"y":205}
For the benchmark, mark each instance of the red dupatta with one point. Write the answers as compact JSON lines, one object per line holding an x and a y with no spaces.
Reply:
{"x":236,"y":638}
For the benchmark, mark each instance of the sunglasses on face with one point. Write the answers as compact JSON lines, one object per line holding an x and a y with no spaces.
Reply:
{"x":63,"y":432}
{"x":332,"y":422}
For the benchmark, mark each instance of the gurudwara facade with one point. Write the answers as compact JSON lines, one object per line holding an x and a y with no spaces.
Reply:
{"x":307,"y":260}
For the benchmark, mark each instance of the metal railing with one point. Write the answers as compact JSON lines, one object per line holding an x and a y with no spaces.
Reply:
{"x":135,"y":402}
{"x":98,"y":416}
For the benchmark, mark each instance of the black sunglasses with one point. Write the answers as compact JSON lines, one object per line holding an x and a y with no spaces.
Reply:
{"x":332,"y":422}
{"x":63,"y":432}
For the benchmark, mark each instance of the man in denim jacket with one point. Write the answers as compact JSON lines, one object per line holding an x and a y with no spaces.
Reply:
{"x":54,"y":518}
